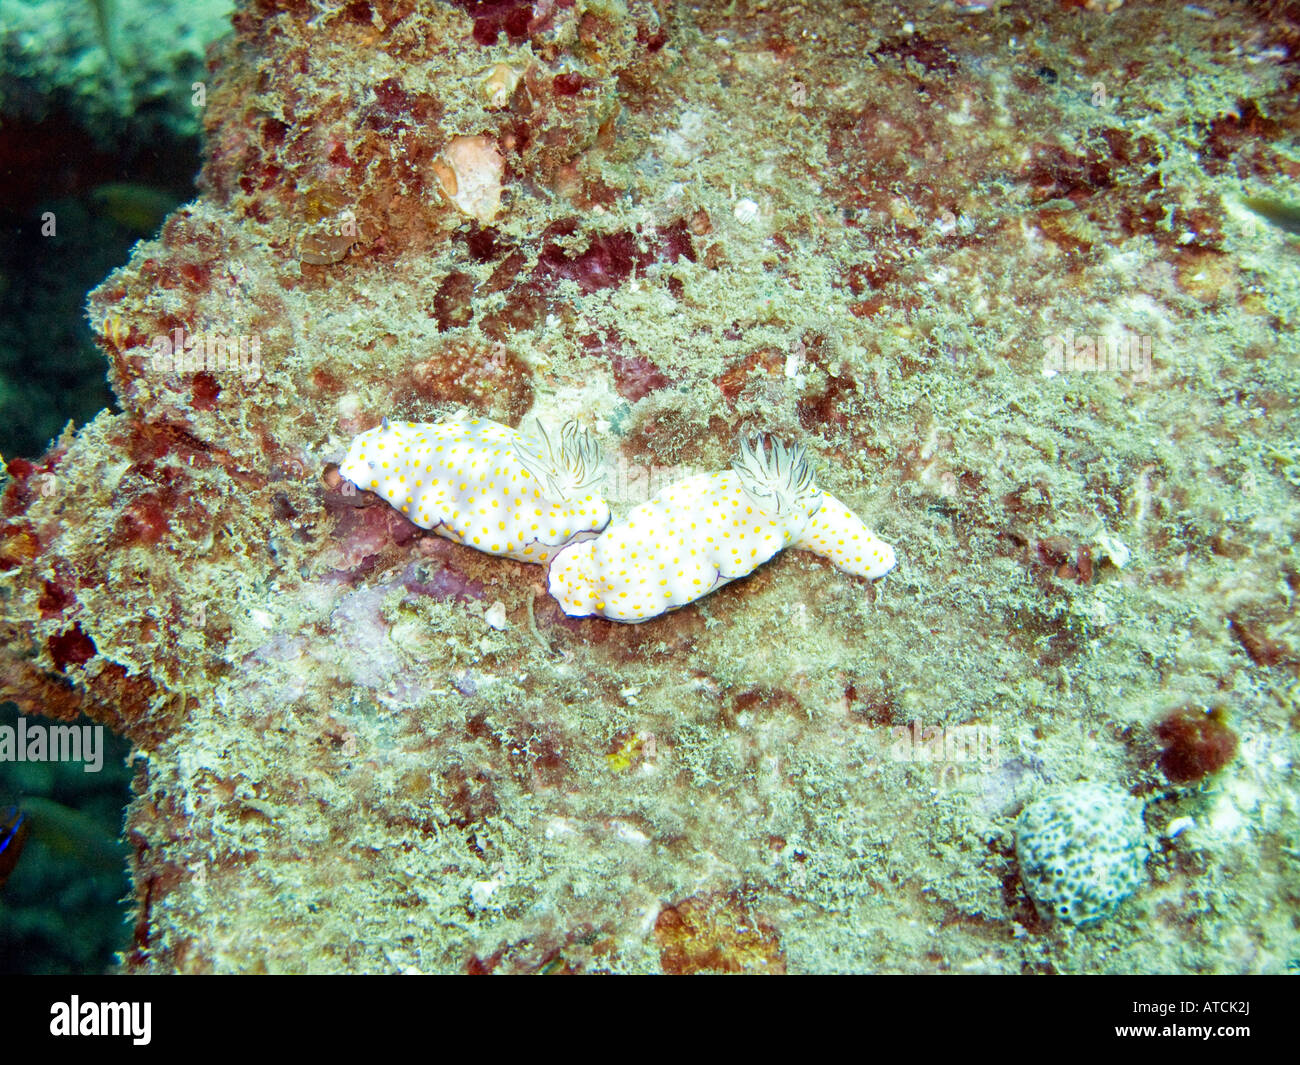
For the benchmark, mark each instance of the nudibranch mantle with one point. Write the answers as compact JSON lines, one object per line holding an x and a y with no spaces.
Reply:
{"x":478,"y":482}
{"x":709,"y":530}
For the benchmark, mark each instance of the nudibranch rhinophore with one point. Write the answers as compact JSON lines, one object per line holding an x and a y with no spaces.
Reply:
{"x":478,"y":482}
{"x":709,"y":530}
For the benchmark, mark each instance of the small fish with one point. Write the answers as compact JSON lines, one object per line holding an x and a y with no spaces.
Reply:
{"x":14,"y":827}
{"x":75,"y":834}
{"x":139,"y":208}
{"x":1285,"y":216}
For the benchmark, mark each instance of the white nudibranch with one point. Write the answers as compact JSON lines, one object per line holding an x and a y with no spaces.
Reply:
{"x":835,"y":532}
{"x":709,"y":530}
{"x":478,"y":482}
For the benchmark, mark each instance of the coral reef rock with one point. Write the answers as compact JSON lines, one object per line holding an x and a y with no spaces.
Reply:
{"x":362,"y":747}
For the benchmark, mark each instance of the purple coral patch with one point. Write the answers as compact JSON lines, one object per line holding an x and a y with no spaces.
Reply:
{"x":71,"y":648}
{"x":610,"y":258}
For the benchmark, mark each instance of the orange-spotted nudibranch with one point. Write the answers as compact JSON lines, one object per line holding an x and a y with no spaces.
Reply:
{"x":709,"y":530}
{"x":478,"y":482}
